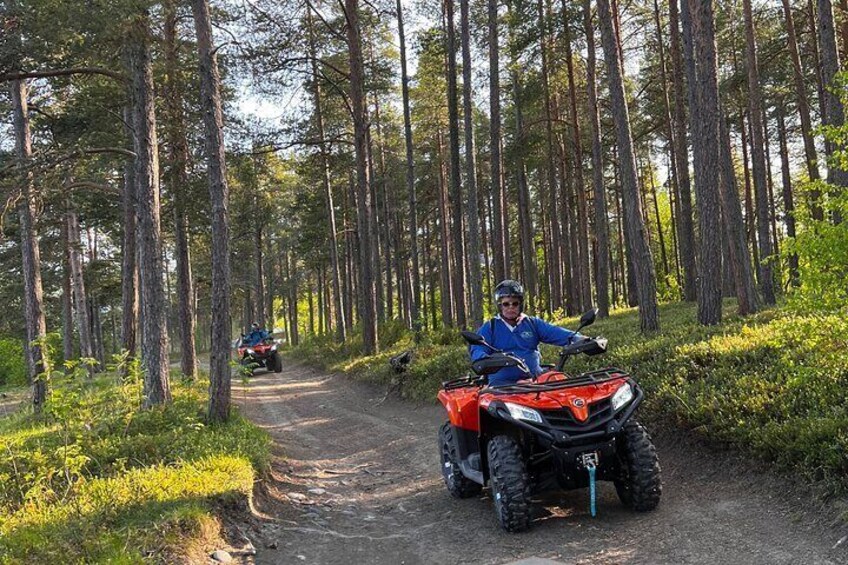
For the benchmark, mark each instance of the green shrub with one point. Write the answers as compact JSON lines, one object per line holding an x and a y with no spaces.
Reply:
{"x":97,"y":479}
{"x":13,"y":370}
{"x":774,"y":384}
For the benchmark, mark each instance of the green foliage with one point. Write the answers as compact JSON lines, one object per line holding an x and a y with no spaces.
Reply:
{"x":822,"y":250}
{"x":97,"y":479}
{"x":774,"y":384}
{"x":13,"y":370}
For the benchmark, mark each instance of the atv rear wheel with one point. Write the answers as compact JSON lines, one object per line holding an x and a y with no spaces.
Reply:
{"x":510,"y":484}
{"x":459,"y":486}
{"x":641,"y":484}
{"x":275,"y":363}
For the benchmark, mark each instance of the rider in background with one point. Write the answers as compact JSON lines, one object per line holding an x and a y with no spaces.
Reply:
{"x":515,"y":332}
{"x":256,"y":336}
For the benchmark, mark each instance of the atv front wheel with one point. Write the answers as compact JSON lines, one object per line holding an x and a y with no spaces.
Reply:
{"x":459,"y":486}
{"x":275,"y":363}
{"x":510,"y":484}
{"x":640,"y":485}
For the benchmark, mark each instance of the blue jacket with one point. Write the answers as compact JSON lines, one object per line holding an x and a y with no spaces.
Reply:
{"x":523,"y":341}
{"x":255,"y":337}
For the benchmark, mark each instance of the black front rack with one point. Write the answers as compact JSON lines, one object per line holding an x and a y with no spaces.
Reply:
{"x":583,"y":379}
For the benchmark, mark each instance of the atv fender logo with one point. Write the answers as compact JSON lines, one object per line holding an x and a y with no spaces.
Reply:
{"x":579,"y":402}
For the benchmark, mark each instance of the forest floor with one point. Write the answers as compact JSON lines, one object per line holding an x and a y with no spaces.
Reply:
{"x":357,"y":481}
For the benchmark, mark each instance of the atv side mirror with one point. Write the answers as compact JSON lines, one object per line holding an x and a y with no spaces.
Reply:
{"x":587,"y":319}
{"x":472,"y":338}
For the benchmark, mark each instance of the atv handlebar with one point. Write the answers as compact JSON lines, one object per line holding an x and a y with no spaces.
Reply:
{"x":587,"y":346}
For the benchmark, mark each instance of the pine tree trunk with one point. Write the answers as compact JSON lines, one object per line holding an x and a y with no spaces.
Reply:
{"x":685,"y":225}
{"x":674,"y":189}
{"x":788,"y":199}
{"x":601,"y":228}
{"x":387,"y":211}
{"x":750,"y":217}
{"x":580,"y":239}
{"x":834,"y":113}
{"x":499,"y":240}
{"x":179,"y":184}
{"x":36,"y":327}
{"x":755,"y":103}
{"x":154,"y":334}
{"x":129,"y":258}
{"x":734,"y":229}
{"x":213,"y":122}
{"x":803,"y":106}
{"x":643,"y":262}
{"x":80,"y":298}
{"x":415,"y":306}
{"x":67,"y":299}
{"x":366,"y":290}
{"x":699,"y":32}
{"x":555,"y":277}
{"x":446,"y":290}
{"x":335,"y":271}
{"x":475,"y":279}
{"x":456,"y":202}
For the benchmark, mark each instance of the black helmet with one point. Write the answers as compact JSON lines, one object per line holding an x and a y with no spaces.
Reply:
{"x":509,"y":287}
{"x":254,"y":326}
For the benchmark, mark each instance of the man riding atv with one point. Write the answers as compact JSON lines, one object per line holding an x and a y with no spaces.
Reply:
{"x":259,"y":349}
{"x":257,"y":335}
{"x":521,"y":428}
{"x":513,"y":331}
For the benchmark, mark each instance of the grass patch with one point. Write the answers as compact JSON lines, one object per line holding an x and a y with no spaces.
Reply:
{"x":97,"y":479}
{"x":774,"y":385}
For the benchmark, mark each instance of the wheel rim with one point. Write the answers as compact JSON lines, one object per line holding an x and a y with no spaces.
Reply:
{"x":448,"y":469}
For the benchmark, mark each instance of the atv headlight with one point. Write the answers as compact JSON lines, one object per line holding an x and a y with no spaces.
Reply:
{"x":622,"y":396}
{"x":520,"y":412}
{"x":251,"y":351}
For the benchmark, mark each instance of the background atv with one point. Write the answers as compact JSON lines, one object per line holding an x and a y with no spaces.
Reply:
{"x":555,"y":431}
{"x":263,"y":354}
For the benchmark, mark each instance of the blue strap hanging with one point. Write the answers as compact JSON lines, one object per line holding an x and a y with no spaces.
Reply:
{"x":591,"y":469}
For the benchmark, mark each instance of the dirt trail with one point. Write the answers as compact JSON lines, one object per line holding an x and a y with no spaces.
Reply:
{"x":360,"y":484}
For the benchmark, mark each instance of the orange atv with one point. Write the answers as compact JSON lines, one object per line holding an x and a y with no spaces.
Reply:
{"x":262,"y":354}
{"x":553,"y":431}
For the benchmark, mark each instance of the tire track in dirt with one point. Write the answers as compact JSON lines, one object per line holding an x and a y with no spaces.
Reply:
{"x":356,"y":482}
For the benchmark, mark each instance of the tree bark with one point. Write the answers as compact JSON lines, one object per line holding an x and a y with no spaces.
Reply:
{"x":731,"y":210}
{"x":67,"y":299}
{"x":601,"y":228}
{"x":367,"y":288}
{"x":475,"y":279}
{"x":788,"y":199}
{"x":499,"y":241}
{"x":416,"y":313}
{"x":700,"y":52}
{"x":210,"y":101}
{"x":755,"y":104}
{"x":154,"y":340}
{"x":525,"y":221}
{"x":129,"y":259}
{"x":643,"y":261}
{"x":555,"y":273}
{"x":446,"y":280}
{"x":834,"y":113}
{"x":685,"y":225}
{"x":803,"y":106}
{"x":36,"y":327}
{"x":338,"y":298}
{"x":81,"y":309}
{"x":178,"y":183}
{"x":580,"y":240}
{"x":457,"y":239}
